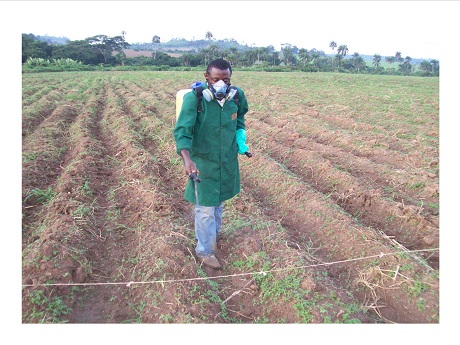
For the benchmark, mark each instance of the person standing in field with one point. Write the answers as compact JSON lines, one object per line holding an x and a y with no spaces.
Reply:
{"x":209,"y":140}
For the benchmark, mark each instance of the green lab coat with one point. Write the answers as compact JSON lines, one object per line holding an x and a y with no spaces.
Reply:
{"x":210,"y":137}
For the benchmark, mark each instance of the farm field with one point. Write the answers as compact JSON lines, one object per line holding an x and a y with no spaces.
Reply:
{"x":337,"y":220}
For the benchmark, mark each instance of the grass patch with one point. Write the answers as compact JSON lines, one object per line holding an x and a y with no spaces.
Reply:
{"x":40,"y":196}
{"x":46,"y":309}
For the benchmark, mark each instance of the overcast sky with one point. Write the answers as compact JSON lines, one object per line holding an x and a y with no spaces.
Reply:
{"x":414,"y":28}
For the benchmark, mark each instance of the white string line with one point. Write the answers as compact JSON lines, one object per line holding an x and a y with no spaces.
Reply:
{"x":128,"y":284}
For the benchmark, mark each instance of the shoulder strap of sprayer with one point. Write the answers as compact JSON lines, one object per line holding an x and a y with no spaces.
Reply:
{"x":198,"y":87}
{"x":235,"y":97}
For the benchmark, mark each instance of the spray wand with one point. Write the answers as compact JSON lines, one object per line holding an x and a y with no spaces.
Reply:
{"x":196,"y":180}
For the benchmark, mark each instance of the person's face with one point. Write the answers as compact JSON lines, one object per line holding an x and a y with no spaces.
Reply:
{"x":217,"y":74}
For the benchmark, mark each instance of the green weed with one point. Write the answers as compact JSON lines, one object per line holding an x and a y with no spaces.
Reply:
{"x":421,"y":304}
{"x":167,"y":318}
{"x":46,"y":309}
{"x":304,"y":311}
{"x":82,"y":211}
{"x":138,"y":309}
{"x":350,"y":309}
{"x":29,"y":156}
{"x":86,"y":189}
{"x":41,"y":196}
{"x":417,"y":185}
{"x":285,"y":288}
{"x":416,"y":289}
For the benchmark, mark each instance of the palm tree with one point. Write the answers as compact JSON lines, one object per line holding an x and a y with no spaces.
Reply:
{"x":357,"y":61}
{"x":155,"y":42}
{"x":425,"y":66}
{"x":398,"y":57}
{"x":209,"y":35}
{"x":435,"y":64}
{"x":376,"y":60}
{"x":342,"y":50}
{"x":275,"y":57}
{"x":304,"y":56}
{"x":260,"y":51}
{"x":406,"y":66}
{"x":288,"y":56}
{"x":333,"y":45}
{"x":337,"y":57}
{"x":390,"y":59}
{"x":315,"y":57}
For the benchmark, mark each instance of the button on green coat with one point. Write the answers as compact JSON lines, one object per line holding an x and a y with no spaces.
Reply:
{"x":210,"y":137}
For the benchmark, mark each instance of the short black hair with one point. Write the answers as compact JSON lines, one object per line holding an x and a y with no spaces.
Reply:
{"x":219,"y":64}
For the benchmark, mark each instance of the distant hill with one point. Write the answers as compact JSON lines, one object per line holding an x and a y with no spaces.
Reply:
{"x":53,"y":39}
{"x":177,"y":46}
{"x":130,"y":53}
{"x":181,"y":44}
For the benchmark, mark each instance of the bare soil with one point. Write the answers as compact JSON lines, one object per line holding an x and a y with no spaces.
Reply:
{"x":325,"y":230}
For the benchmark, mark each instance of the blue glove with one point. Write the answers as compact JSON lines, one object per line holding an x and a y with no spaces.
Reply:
{"x":241,"y":141}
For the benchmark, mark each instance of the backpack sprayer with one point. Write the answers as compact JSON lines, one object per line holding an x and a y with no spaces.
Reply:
{"x":209,"y":96}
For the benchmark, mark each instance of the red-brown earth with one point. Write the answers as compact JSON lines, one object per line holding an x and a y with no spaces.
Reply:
{"x":337,"y":220}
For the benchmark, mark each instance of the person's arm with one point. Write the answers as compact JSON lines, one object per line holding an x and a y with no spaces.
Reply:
{"x":183,"y":131}
{"x":189,"y":165}
{"x":240,"y":125}
{"x":242,"y":110}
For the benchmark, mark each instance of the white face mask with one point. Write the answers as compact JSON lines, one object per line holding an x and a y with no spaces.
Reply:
{"x":220,"y":89}
{"x":218,"y":85}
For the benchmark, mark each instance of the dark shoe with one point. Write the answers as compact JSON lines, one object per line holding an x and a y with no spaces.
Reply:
{"x":211,"y":261}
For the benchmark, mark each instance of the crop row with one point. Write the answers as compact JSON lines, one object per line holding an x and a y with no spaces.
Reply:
{"x":314,"y":193}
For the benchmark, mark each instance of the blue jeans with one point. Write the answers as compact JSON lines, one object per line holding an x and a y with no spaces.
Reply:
{"x":208,"y":221}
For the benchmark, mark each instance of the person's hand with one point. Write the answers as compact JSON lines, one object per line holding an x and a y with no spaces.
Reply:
{"x":242,"y":148}
{"x":241,"y":141}
{"x":191,"y":169}
{"x":189,"y":165}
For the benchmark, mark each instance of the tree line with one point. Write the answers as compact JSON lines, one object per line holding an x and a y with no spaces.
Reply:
{"x":104,"y":51}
